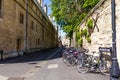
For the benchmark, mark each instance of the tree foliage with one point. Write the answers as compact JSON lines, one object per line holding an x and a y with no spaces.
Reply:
{"x":69,"y":13}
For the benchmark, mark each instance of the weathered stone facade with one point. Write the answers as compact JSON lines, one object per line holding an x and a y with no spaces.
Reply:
{"x":118,"y":29}
{"x":103,"y":36}
{"x":41,"y":34}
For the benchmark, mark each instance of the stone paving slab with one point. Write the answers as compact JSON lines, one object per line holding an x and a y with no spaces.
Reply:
{"x":3,"y":78}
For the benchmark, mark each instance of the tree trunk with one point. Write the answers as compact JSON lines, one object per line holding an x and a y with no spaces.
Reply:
{"x":70,"y":42}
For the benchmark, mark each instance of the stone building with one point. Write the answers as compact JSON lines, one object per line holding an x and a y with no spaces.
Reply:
{"x":25,"y":26}
{"x":102,"y":32}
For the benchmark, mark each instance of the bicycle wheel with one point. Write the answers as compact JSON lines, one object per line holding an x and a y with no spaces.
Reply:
{"x":73,"y":61}
{"x":64,"y":57}
{"x":68,"y":59}
{"x":83,"y":66}
{"x":104,"y":68}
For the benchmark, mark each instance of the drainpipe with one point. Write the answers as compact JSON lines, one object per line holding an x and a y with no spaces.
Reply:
{"x":26,"y":29}
{"x":114,"y":73}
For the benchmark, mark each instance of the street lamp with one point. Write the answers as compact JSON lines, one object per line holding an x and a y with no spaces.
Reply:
{"x":114,"y":72}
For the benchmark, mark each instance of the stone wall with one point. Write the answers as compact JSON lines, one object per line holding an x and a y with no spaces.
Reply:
{"x":41,"y":35}
{"x":118,"y":29}
{"x":103,"y":36}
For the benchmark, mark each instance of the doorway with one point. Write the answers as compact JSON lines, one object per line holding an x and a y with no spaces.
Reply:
{"x":18,"y":45}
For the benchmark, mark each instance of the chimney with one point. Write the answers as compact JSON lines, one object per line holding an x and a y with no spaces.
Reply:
{"x":45,"y":8}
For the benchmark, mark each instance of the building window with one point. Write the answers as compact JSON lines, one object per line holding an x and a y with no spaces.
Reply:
{"x":0,"y":8}
{"x":18,"y":44}
{"x":38,"y":41}
{"x":21,"y":18}
{"x":32,"y":25}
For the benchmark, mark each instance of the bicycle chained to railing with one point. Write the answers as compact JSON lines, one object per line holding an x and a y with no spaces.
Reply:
{"x":94,"y":63}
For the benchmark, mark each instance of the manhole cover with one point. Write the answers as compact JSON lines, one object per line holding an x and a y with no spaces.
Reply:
{"x":16,"y":78}
{"x":38,"y":66}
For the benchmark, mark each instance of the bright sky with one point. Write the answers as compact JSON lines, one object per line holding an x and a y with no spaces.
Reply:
{"x":48,"y":3}
{"x":49,"y":12}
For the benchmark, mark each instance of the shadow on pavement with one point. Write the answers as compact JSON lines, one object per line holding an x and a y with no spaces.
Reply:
{"x":32,"y":58}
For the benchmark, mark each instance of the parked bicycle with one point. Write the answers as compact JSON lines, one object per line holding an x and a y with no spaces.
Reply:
{"x":94,"y":63}
{"x":69,"y":56}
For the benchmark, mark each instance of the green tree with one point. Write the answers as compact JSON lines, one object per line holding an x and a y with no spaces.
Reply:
{"x":69,"y":13}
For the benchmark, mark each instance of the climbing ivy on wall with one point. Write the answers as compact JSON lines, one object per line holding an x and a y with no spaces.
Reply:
{"x":90,"y":23}
{"x":90,"y":26}
{"x":80,"y":33}
{"x":85,"y":31}
{"x":80,"y":42}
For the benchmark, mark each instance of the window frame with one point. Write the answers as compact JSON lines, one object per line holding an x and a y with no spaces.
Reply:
{"x":21,"y":18}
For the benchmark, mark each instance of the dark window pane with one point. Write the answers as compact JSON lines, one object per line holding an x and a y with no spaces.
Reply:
{"x":21,"y":18}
